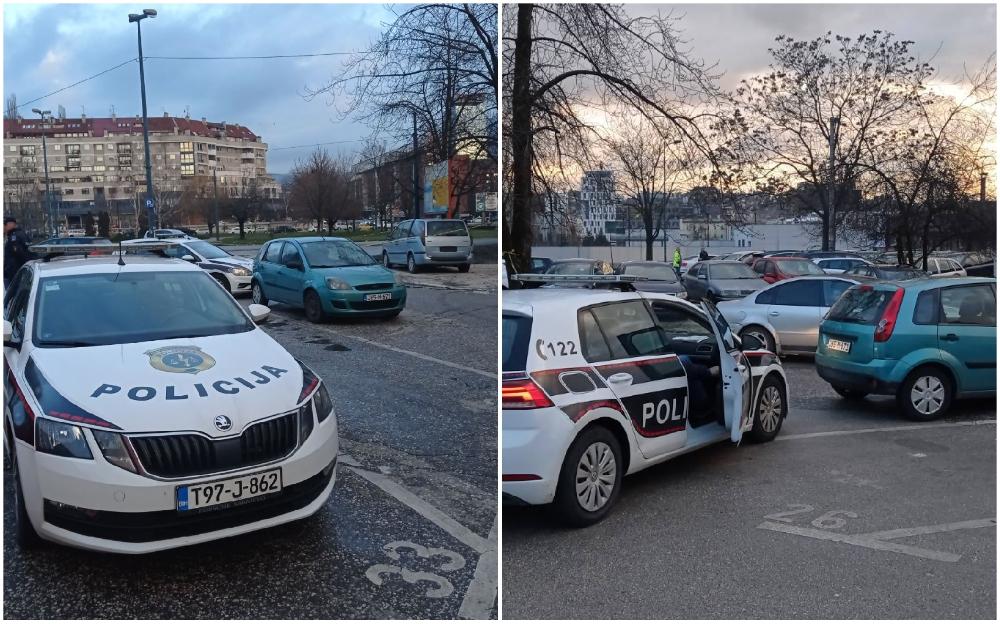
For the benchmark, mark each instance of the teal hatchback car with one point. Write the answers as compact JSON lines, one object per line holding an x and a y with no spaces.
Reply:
{"x":926,"y":341}
{"x":328,"y":277}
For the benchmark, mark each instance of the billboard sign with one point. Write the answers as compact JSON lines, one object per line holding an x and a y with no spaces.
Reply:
{"x":436,"y":191}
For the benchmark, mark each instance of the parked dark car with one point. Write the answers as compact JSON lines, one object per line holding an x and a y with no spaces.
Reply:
{"x":717,"y":280}
{"x":872,"y":272}
{"x":580,"y":266}
{"x":660,"y":276}
{"x":283,"y":228}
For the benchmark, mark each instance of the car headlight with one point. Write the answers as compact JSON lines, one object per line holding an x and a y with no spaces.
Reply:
{"x":113,"y":448}
{"x":323,"y":403}
{"x":398,"y":279}
{"x":241,"y":272}
{"x":305,"y":422}
{"x":58,"y":438}
{"x":334,"y":283}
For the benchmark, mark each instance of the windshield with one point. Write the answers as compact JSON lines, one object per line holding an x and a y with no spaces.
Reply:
{"x":332,"y":254}
{"x":799,"y":267}
{"x":454,"y":227}
{"x":207,"y":250}
{"x":117,"y":308}
{"x":515,"y":333}
{"x":651,"y":271}
{"x":731,"y":270}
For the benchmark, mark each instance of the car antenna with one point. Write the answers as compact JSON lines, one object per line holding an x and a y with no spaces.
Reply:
{"x":121,"y":254}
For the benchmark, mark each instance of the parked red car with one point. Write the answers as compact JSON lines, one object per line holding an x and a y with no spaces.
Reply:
{"x":780,"y":268}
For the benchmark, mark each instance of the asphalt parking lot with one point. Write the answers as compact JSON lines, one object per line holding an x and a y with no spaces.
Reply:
{"x":410,"y":530}
{"x":853,"y":512}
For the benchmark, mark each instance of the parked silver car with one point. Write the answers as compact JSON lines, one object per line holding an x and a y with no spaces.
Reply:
{"x":785,"y":316}
{"x":660,"y":276}
{"x":718,"y":280}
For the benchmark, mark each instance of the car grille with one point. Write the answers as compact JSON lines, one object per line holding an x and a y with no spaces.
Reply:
{"x":374,"y":287}
{"x":191,"y":454}
{"x":374,"y":305}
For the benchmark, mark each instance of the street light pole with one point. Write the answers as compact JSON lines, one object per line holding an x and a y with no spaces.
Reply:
{"x":215,"y":200}
{"x":150,"y":206}
{"x":831,"y":180}
{"x":53,"y":226}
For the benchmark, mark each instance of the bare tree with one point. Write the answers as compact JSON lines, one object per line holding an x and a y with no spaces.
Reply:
{"x":311,"y":194}
{"x":246,"y":201}
{"x":10,"y":107}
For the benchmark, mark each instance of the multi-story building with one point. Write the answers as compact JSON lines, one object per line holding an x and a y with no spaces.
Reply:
{"x":601,"y":208}
{"x":98,"y":164}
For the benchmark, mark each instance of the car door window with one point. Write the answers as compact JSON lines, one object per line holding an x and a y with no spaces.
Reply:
{"x":21,"y":279}
{"x":926,"y":310}
{"x":683,"y":330}
{"x":418,"y":229}
{"x":702,"y":270}
{"x":832,"y":290}
{"x":968,"y":305}
{"x":629,"y":329}
{"x":18,"y":311}
{"x":592,"y":343}
{"x":273,"y":253}
{"x":800,"y":293}
{"x":290,"y":254}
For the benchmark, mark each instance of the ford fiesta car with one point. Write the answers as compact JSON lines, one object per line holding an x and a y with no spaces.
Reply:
{"x":145,"y":410}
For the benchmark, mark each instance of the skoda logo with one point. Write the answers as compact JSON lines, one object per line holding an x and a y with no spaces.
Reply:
{"x":222,"y":423}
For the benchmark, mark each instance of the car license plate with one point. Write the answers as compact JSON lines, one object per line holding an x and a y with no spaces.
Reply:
{"x":228,"y":491}
{"x":449,"y":249}
{"x":838,"y":345}
{"x":378,"y":297}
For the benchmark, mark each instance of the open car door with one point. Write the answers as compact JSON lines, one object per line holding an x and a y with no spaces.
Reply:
{"x":735,"y":376}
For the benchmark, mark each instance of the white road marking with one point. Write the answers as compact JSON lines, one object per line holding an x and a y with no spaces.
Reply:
{"x":425,"y":509}
{"x":927,"y":530}
{"x":857,"y":540}
{"x":421,"y":356}
{"x":823,"y":434}
{"x":482,"y":593}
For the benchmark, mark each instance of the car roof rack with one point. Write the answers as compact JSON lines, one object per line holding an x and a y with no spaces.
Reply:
{"x":621,"y":282}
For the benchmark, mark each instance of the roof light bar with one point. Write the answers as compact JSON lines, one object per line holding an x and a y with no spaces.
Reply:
{"x":75,"y":248}
{"x":578,"y":279}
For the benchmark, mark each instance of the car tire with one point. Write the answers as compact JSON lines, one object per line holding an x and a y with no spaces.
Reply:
{"x":589,"y":449}
{"x":219,"y":277}
{"x":849,"y":393}
{"x":463,"y":268}
{"x":385,"y":260}
{"x":24,"y":533}
{"x":770,"y":410}
{"x":411,"y":263}
{"x":925,"y":394}
{"x":762,"y":334}
{"x":257,"y":294}
{"x":313,"y":307}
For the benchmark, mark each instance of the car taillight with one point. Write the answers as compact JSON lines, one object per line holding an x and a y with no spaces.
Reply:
{"x":523,"y":394}
{"x":883,"y":331}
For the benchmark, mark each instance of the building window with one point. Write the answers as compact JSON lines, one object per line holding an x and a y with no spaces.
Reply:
{"x":99,"y":167}
{"x":99,"y":148}
{"x":73,"y":149}
{"x":187,"y":170}
{"x":27,"y":150}
{"x":173,"y":156}
{"x":85,"y":191}
{"x":187,"y":147}
{"x":67,"y":191}
{"x":187,"y":158}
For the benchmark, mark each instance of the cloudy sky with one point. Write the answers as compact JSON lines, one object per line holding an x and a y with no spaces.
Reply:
{"x":47,"y":47}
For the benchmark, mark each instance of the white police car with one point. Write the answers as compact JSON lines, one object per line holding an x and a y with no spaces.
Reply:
{"x":598,"y":384}
{"x":233,"y":272}
{"x":145,"y":410}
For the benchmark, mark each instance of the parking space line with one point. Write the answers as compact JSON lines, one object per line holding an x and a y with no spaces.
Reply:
{"x":859,"y":540}
{"x":927,"y":530}
{"x":380,"y":345}
{"x":843,"y":432}
{"x":432,"y":513}
{"x":482,"y":593}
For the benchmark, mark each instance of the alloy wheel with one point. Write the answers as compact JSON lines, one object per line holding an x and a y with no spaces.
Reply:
{"x":769,"y":410}
{"x":595,"y":476}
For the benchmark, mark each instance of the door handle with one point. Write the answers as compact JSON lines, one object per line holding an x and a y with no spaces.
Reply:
{"x":620,"y":378}
{"x":774,"y":313}
{"x":950,"y":337}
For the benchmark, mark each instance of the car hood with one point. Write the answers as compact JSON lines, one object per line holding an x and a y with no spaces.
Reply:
{"x":233,"y":261}
{"x":143,"y":387}
{"x":742,"y":285}
{"x":359,"y":275}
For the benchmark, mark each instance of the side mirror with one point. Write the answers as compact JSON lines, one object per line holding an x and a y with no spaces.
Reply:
{"x":258,"y":313}
{"x":8,"y":331}
{"x":188,"y":257}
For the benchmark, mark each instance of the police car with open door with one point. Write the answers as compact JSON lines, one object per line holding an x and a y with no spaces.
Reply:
{"x":145,"y":410}
{"x":600,"y":383}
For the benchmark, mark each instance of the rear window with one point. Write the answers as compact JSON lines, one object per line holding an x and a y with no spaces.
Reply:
{"x":652,"y":271}
{"x":447,"y":228}
{"x":800,"y":267}
{"x":515,"y":333}
{"x":861,"y":304}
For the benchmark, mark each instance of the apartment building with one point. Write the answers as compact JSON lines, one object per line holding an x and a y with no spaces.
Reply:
{"x":98,"y":164}
{"x":600,"y":207}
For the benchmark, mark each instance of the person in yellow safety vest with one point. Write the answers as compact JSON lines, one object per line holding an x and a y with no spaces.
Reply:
{"x":677,"y":261}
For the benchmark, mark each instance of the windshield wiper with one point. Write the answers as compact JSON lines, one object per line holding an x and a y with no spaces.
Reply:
{"x":68,"y":343}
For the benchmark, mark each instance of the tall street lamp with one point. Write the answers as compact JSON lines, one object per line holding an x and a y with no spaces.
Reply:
{"x":150,"y":209}
{"x":53,"y":227}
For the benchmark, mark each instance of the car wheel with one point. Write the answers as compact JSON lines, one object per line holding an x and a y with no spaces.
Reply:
{"x":257,"y":294}
{"x":926,"y":394}
{"x":411,"y":264}
{"x":590,"y":478}
{"x":463,"y":268}
{"x":849,"y":393}
{"x":760,"y":334}
{"x":385,"y":260}
{"x":25,"y":534}
{"x":771,"y":409}
{"x":222,"y":280}
{"x":313,"y":307}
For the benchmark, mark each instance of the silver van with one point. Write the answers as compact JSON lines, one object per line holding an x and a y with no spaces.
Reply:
{"x":429,"y":242}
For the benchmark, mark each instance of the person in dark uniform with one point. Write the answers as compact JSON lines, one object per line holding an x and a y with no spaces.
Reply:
{"x":703,"y":255}
{"x":15,"y":249}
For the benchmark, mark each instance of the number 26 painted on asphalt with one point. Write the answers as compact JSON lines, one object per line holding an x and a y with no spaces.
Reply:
{"x":835,"y":519}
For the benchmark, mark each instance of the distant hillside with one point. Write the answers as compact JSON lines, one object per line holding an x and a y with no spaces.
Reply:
{"x":282,"y":178}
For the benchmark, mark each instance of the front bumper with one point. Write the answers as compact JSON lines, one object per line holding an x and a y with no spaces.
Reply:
{"x":352,"y":302}
{"x":94,"y":505}
{"x":239,"y":284}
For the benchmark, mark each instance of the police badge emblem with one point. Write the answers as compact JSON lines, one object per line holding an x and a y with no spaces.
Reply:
{"x":180,"y":359}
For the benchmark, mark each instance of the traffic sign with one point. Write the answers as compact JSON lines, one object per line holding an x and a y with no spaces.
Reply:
{"x":149,"y":203}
